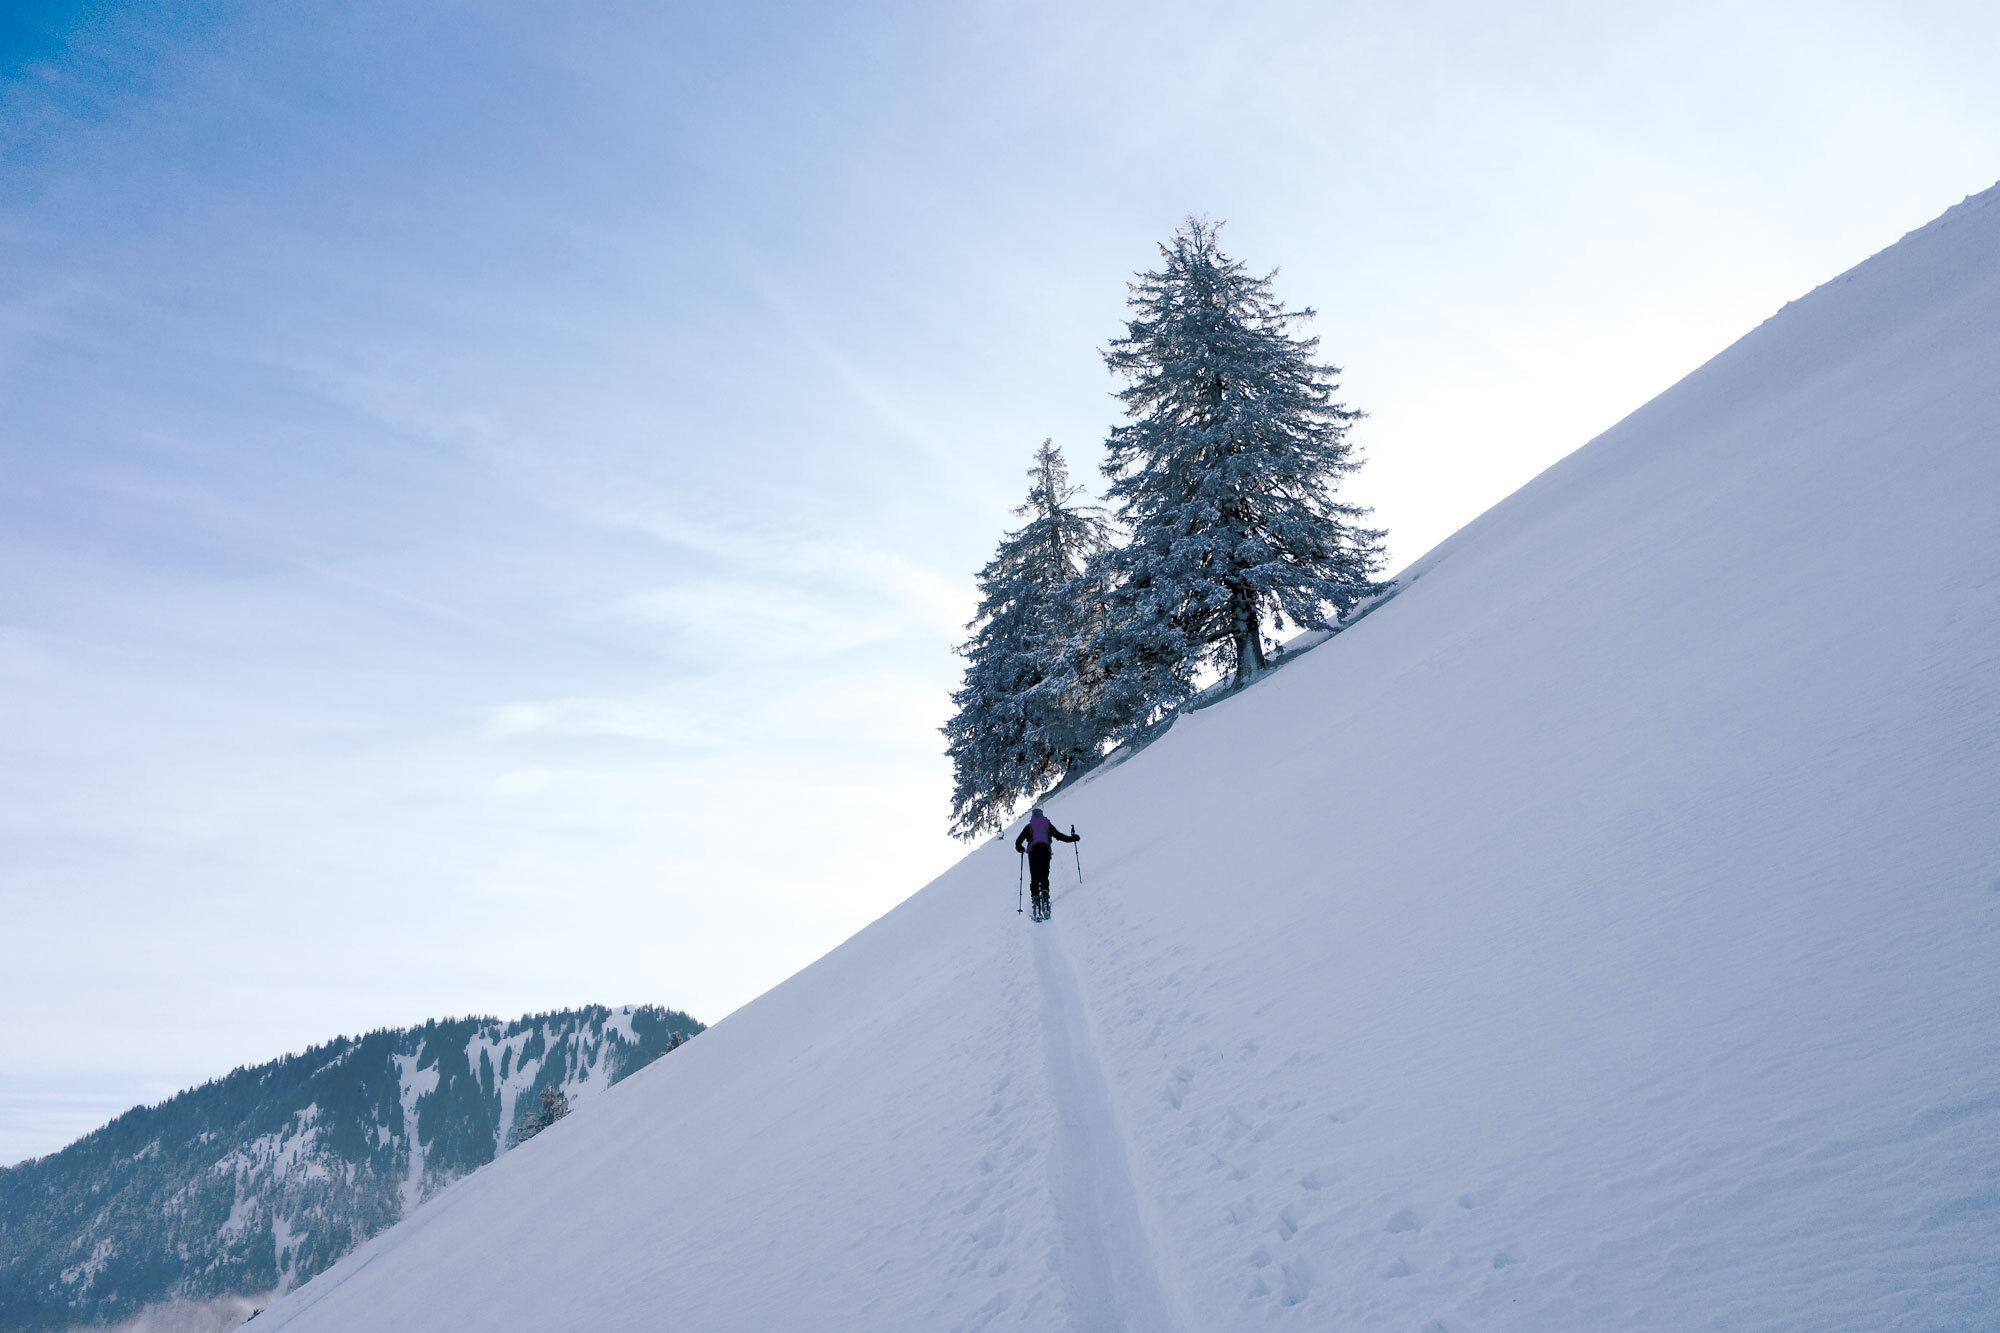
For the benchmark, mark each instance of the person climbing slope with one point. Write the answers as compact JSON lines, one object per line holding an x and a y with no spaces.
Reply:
{"x":1034,"y":839}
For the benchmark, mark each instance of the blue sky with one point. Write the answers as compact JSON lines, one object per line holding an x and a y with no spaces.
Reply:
{"x":487,"y":494}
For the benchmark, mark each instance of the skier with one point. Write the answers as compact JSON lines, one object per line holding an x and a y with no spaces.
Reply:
{"x":1034,"y":839}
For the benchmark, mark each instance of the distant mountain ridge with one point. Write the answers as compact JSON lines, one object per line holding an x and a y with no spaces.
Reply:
{"x":258,"y":1180}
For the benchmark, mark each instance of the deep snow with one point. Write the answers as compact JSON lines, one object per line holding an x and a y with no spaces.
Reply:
{"x":1601,"y":935}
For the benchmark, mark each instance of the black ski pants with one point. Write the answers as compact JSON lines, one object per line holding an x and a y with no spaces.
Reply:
{"x":1038,"y":872}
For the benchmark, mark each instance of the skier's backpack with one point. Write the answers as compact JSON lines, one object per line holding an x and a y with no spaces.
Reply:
{"x":1038,"y":829}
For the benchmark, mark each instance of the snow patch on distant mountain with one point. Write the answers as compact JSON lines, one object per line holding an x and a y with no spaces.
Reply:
{"x":414,"y":1083}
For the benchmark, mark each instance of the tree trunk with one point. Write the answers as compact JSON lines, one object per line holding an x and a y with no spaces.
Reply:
{"x":1249,"y":643}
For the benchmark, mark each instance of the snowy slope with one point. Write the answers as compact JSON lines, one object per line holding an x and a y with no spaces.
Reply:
{"x":1605,"y":934}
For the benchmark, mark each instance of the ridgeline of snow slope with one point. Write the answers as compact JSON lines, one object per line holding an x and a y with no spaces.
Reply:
{"x":1603,"y":935}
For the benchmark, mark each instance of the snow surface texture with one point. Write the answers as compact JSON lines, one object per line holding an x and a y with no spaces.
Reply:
{"x":1602,"y":935}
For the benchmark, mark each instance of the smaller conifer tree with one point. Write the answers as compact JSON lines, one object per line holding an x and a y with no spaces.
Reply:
{"x":1023,"y":712}
{"x":555,"y":1105}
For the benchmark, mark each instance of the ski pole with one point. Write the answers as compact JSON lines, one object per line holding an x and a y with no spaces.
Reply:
{"x":1017,"y":883}
{"x":1079,"y":853}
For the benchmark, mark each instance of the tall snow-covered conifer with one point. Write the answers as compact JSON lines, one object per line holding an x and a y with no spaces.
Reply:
{"x":1022,"y":719}
{"x":1225,"y":474}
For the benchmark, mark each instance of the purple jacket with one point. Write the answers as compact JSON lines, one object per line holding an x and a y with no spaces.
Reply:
{"x":1037,"y":832}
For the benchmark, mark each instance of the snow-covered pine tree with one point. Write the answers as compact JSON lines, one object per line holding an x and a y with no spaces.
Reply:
{"x":555,"y":1105}
{"x":1225,"y":474}
{"x":1022,"y":713}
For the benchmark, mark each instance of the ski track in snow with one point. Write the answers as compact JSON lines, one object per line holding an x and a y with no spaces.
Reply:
{"x":1106,"y":1258}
